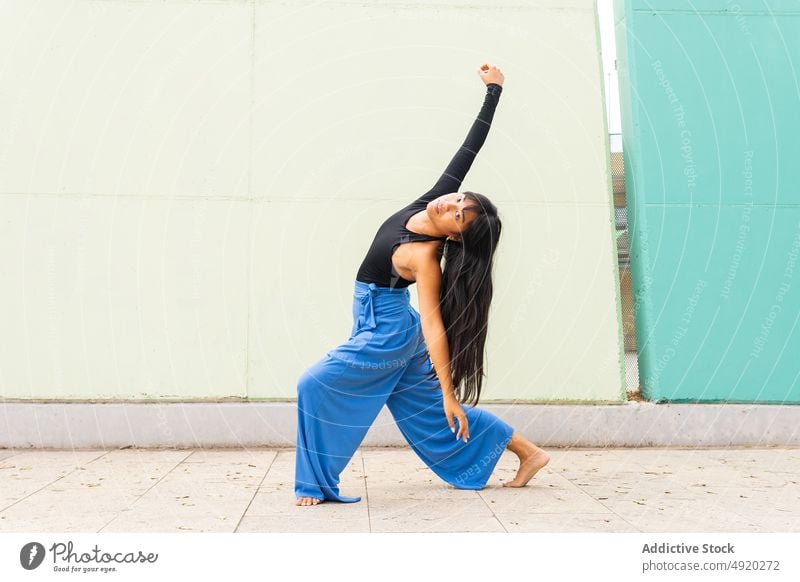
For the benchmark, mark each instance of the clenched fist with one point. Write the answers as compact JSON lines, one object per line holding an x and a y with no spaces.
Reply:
{"x":491,"y":74}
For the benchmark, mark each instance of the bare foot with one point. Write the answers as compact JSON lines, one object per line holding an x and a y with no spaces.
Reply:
{"x":308,"y":501}
{"x":531,"y":459}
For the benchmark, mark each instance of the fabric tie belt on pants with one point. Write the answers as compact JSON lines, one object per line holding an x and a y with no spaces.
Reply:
{"x":366,"y":317}
{"x":376,"y":303}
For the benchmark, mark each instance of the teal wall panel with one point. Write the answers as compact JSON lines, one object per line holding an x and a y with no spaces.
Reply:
{"x":710,"y":101}
{"x":707,"y":97}
{"x":722,"y":327}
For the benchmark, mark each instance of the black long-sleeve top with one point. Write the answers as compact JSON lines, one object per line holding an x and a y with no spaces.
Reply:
{"x":377,"y":265}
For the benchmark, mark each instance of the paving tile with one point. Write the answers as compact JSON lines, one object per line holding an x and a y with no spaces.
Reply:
{"x":311,"y":519}
{"x":764,"y":496}
{"x":252,"y":490}
{"x":708,"y":513}
{"x":27,"y":472}
{"x":778,"y":523}
{"x":612,"y":475}
{"x":770,"y":520}
{"x":673,"y":477}
{"x":648,"y":456}
{"x":433,"y":515}
{"x":694,"y":521}
{"x":173,"y":524}
{"x":601,"y":489}
{"x":66,"y":520}
{"x":212,"y":491}
{"x":773,"y":509}
{"x":393,"y":465}
{"x":550,"y":495}
{"x":430,"y":490}
{"x":400,"y":474}
{"x":574,"y":522}
{"x":91,"y":495}
{"x":713,"y":468}
{"x":233,"y":457}
{"x":583,"y":455}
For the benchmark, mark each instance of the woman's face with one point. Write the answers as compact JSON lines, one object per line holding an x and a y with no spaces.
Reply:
{"x":447,"y":213}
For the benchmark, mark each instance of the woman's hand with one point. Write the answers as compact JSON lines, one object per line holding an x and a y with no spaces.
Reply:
{"x":491,"y":74}
{"x":452,"y":408}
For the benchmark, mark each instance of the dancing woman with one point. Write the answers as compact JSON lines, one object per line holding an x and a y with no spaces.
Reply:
{"x":421,"y":365}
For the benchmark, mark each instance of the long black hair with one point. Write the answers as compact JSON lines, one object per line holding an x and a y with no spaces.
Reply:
{"x":466,"y":294}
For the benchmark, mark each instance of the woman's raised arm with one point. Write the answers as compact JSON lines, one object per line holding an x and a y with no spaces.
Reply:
{"x":456,"y":171}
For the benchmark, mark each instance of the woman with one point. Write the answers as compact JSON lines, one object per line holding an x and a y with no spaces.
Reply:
{"x":419,"y":364}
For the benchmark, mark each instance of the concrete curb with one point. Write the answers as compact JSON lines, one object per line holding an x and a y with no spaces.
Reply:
{"x":274,"y":424}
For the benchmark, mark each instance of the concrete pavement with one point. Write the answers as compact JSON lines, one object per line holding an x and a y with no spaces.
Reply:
{"x":251,"y":490}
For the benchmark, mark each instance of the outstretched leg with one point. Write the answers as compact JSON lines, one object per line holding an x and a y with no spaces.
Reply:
{"x":336,"y":404}
{"x":339,"y":397}
{"x":531,"y":459}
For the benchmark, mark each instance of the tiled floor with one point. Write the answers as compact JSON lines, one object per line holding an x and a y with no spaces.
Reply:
{"x":251,"y":490}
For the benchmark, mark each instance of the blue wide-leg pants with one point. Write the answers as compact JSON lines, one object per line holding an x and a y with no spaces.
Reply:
{"x":385,"y":361}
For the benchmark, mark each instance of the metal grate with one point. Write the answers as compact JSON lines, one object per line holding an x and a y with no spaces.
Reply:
{"x":623,"y":258}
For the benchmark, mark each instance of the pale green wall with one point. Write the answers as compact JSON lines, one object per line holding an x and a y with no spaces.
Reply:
{"x":710,"y":123}
{"x":189,"y":188}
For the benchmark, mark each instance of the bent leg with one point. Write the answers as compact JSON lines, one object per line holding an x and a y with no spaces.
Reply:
{"x":417,"y":406}
{"x":336,"y":404}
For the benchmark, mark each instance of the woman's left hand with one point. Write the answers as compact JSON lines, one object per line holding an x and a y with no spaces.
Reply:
{"x":491,"y":74}
{"x":452,"y":408}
